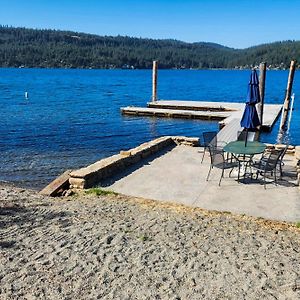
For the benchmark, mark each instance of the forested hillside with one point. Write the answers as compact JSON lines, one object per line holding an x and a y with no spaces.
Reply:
{"x":21,"y":47}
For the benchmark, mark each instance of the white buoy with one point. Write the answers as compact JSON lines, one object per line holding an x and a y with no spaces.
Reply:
{"x":26,"y":95}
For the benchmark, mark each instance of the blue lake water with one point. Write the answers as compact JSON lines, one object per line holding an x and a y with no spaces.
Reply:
{"x":72,"y":117}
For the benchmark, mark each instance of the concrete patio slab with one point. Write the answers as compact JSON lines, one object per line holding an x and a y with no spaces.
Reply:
{"x":177,"y":175}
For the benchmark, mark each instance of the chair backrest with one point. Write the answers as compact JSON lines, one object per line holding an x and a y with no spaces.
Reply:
{"x":273,"y":159}
{"x":216,"y":156}
{"x":284,"y":152}
{"x":209,"y":137}
{"x":251,"y":136}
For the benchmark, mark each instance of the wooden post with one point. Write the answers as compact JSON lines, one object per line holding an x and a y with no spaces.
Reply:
{"x":287,"y":99}
{"x":154,"y":81}
{"x":262,"y":83}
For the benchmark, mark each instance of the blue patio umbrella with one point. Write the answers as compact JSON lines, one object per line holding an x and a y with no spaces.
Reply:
{"x":250,"y":118}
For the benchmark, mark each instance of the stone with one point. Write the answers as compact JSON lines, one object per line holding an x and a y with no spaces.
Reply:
{"x":297,"y":152}
{"x":125,"y":153}
{"x":68,"y":193}
{"x":77,"y":183}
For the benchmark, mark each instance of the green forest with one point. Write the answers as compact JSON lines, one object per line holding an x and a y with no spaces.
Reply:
{"x":22,"y":47}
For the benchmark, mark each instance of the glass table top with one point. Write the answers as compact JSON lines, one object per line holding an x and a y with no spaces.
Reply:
{"x":239,"y":147}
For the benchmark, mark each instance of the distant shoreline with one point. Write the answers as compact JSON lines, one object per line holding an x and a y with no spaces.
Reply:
{"x":22,"y":47}
{"x":146,"y":69}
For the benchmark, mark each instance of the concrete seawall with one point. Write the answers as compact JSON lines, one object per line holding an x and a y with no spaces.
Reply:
{"x":91,"y":175}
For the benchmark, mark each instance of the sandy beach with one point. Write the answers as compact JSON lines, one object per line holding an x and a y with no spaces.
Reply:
{"x":117,"y":247}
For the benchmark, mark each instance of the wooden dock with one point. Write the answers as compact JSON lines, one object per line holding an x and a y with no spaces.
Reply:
{"x":175,"y":113}
{"x":224,"y":112}
{"x":229,"y":132}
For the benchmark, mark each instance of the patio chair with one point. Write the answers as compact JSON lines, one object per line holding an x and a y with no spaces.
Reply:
{"x":268,"y":164}
{"x":251,"y":136}
{"x":210,"y":138}
{"x":280,"y":162}
{"x":217,"y":160}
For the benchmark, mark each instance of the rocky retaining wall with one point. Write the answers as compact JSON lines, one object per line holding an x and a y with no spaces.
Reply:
{"x":290,"y":150}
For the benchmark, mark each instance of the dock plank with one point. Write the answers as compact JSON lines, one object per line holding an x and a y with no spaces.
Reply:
{"x":197,"y":105}
{"x":229,"y":132}
{"x":175,"y":113}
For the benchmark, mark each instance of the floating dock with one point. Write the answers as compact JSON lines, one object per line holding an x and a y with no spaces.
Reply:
{"x":224,"y":112}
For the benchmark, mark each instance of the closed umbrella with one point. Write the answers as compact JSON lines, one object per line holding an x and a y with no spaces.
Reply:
{"x":250,"y":119}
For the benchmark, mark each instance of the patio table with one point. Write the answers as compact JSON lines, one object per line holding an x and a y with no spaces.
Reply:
{"x":238,"y":148}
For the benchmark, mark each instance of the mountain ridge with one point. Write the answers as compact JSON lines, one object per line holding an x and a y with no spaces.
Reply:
{"x":48,"y":48}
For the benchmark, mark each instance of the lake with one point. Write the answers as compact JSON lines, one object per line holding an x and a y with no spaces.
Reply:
{"x":72,"y":117}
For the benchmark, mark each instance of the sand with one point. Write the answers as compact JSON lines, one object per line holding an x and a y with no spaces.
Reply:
{"x":116,"y":247}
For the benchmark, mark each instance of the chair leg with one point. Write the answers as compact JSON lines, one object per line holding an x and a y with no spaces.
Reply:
{"x":247,"y":165}
{"x":265,"y":180}
{"x":203,"y":155}
{"x":208,"y":173}
{"x":256,"y":174}
{"x":250,"y":169}
{"x":245,"y":170}
{"x":280,"y":169}
{"x":239,"y":170}
{"x":222,"y":175}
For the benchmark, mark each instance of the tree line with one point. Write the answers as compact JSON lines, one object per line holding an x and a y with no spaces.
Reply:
{"x":22,"y":47}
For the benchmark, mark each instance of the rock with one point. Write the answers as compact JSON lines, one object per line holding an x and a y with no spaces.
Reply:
{"x":68,"y":193}
{"x":125,"y":153}
{"x":77,"y":183}
{"x":297,"y":152}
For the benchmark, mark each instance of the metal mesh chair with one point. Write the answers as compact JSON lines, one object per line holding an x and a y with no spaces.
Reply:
{"x":217,"y":160}
{"x":280,"y":162}
{"x":209,"y":137}
{"x":251,"y":136}
{"x":268,"y":164}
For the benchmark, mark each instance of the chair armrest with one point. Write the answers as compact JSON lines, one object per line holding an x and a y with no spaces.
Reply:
{"x":221,"y":143}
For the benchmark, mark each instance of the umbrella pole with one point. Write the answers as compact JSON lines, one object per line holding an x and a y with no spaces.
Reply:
{"x":246,"y":139}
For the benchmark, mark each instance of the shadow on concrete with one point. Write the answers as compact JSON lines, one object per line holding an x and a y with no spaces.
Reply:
{"x":129,"y":170}
{"x":288,"y":179}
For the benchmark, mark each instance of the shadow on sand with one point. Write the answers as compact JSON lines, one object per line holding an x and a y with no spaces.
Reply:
{"x":15,"y":217}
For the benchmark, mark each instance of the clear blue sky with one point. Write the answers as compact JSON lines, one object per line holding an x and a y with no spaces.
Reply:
{"x":233,"y":23}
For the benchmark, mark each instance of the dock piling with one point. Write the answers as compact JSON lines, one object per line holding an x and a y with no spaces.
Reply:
{"x":154,"y":81}
{"x":262,"y":83}
{"x":286,"y":105}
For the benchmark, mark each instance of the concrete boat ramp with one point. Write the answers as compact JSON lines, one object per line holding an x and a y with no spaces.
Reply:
{"x":177,"y":175}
